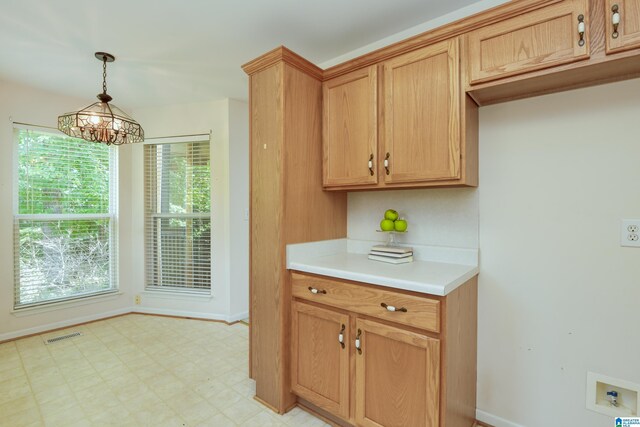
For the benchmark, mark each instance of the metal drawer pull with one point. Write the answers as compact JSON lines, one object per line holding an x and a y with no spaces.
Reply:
{"x":392,"y":308}
{"x":386,"y":163}
{"x":358,"y":344}
{"x":615,"y":20}
{"x":341,"y":336}
{"x":371,"y":164}
{"x":317,"y":291}
{"x":581,"y":30}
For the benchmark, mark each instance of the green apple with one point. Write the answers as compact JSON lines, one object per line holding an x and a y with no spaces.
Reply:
{"x":386,"y":225}
{"x":400,"y":225}
{"x":391,"y":214}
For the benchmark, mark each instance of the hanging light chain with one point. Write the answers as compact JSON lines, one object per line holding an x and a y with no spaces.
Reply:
{"x":104,"y":74}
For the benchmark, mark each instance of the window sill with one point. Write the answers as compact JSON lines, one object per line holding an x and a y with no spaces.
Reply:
{"x":61,"y":305}
{"x":178,"y":295}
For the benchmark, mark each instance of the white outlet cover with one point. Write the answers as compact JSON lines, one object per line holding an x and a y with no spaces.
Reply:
{"x":630,"y":233}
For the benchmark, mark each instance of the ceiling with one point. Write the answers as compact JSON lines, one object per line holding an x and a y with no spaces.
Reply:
{"x":172,"y":52}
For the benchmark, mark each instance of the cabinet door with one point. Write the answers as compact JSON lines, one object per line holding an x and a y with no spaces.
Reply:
{"x":350,"y":128}
{"x":422,"y":115}
{"x":397,"y":377}
{"x":540,"y":39}
{"x":320,"y":362}
{"x":627,"y":34}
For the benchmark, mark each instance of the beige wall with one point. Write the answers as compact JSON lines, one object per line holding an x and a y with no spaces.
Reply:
{"x":28,"y":105}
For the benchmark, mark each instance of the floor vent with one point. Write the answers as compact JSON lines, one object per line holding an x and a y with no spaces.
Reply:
{"x":62,"y":337}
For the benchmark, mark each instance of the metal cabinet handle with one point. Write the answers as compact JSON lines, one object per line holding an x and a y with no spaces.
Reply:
{"x":341,"y":336}
{"x":316,"y":291}
{"x":371,"y":164}
{"x":358,"y":343}
{"x":386,"y":163}
{"x":392,"y":308}
{"x":615,"y":20}
{"x":581,"y":30}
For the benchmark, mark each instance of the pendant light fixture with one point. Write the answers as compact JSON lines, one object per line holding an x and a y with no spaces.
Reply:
{"x":101,"y":121}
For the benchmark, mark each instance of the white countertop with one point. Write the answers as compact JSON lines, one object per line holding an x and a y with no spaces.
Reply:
{"x":435,"y":270}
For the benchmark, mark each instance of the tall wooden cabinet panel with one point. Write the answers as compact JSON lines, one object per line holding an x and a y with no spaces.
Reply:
{"x":540,"y":39}
{"x":286,"y":196}
{"x":397,"y":377}
{"x":422,"y":114}
{"x":627,"y":33}
{"x":320,"y":357}
{"x":350,"y":133}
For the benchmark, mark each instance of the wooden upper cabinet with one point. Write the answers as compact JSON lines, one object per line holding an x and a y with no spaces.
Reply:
{"x":397,"y":377}
{"x":320,"y":362}
{"x":421,"y":91}
{"x":627,"y":33}
{"x":350,"y":128}
{"x":540,"y":39}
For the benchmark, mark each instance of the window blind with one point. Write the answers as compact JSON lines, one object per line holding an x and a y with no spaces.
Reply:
{"x":178,"y":216}
{"x":65,"y":243}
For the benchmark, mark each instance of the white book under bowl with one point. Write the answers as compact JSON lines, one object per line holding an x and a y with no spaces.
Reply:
{"x":390,"y":254}
{"x":392,"y":249}
{"x":391,"y":260}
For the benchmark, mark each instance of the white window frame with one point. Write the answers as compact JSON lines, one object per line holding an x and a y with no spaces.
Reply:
{"x":112,"y":216}
{"x":178,"y":290}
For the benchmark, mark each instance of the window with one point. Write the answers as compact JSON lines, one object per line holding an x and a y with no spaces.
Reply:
{"x":64,"y":226}
{"x":177,"y":216}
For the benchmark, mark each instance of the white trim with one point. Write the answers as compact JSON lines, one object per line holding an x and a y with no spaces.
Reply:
{"x":65,"y":304}
{"x":180,"y":313}
{"x":64,"y":217}
{"x":36,"y":128}
{"x":494,"y":420}
{"x":238,"y":316}
{"x":62,"y":324}
{"x":176,"y":294}
{"x":178,"y":139}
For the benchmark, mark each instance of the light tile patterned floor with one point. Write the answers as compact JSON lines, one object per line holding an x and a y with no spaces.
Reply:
{"x":135,"y":370}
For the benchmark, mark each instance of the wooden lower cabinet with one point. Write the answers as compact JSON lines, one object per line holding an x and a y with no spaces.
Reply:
{"x":388,"y":373}
{"x":320,"y":358}
{"x":397,"y":377}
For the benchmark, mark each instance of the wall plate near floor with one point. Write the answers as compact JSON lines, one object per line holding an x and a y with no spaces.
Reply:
{"x":601,"y":390}
{"x":630,"y":233}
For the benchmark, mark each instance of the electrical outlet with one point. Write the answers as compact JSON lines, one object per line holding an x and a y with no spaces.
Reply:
{"x":630,"y":233}
{"x":138,"y":299}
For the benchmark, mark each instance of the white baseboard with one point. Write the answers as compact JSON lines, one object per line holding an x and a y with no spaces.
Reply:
{"x":63,"y":324}
{"x":240,"y":316}
{"x":493,"y":420}
{"x":180,"y":313}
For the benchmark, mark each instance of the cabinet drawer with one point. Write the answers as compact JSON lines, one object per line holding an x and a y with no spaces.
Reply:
{"x":540,"y":39}
{"x":423,"y":313}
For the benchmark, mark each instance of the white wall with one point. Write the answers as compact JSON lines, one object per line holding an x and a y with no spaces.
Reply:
{"x":24,"y":104}
{"x":436,"y":217}
{"x":558,"y":295}
{"x":227,"y":120}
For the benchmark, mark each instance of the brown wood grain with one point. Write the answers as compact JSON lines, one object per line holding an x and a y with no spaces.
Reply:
{"x":350,"y":135}
{"x":422,"y":114}
{"x":540,"y":39}
{"x":459,"y":355}
{"x":319,"y":364}
{"x":282,"y":55}
{"x":387,"y":393}
{"x":628,"y":29}
{"x":422,"y":312}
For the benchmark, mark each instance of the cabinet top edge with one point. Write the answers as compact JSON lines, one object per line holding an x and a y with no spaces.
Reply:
{"x":282,"y":54}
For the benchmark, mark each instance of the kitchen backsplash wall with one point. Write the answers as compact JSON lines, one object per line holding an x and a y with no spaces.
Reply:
{"x":436,"y":217}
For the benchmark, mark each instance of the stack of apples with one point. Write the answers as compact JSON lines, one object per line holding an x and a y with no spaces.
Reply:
{"x":393,"y":222}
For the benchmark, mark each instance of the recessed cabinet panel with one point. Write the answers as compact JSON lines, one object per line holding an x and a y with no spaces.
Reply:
{"x":320,"y":359}
{"x":626,"y":34}
{"x":397,"y":377}
{"x":540,"y":39}
{"x":350,"y":129}
{"x":422,"y":115}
